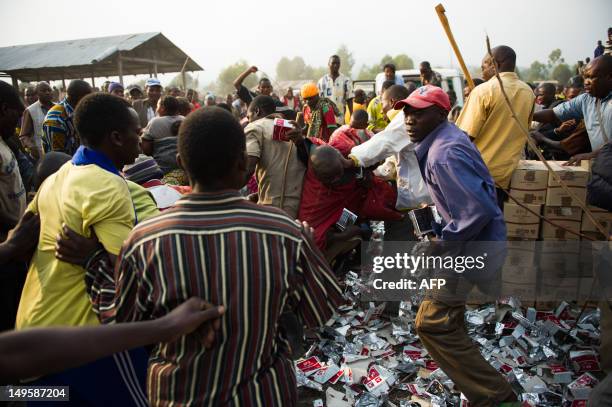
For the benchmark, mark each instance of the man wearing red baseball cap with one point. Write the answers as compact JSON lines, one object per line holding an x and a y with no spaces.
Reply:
{"x":464,"y":194}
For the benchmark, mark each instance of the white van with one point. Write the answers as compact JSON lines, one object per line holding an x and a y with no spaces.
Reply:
{"x":451,"y":79}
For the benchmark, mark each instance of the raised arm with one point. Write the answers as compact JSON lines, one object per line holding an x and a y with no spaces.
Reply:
{"x":242,"y":77}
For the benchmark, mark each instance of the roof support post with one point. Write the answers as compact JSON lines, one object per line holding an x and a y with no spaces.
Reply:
{"x":15,"y":82}
{"x":120,"y":68}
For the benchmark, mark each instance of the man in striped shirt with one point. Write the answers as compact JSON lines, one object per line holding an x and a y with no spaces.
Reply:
{"x":253,"y":260}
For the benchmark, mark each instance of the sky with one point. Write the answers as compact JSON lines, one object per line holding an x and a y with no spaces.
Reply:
{"x":217,"y":34}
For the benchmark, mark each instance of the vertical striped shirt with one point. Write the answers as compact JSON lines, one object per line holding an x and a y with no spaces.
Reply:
{"x":256,"y":262}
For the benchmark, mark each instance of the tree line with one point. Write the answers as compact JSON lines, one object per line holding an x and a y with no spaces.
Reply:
{"x":295,"y":68}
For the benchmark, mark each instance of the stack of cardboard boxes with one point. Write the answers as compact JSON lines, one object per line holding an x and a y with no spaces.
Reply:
{"x":537,"y":189}
{"x":528,"y":186}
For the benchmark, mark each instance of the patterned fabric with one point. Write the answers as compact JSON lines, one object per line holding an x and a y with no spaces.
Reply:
{"x":176,"y":177}
{"x":338,"y":91}
{"x":322,"y":122}
{"x":256,"y":262}
{"x":59,"y":132}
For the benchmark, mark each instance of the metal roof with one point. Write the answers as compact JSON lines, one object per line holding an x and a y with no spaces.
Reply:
{"x":84,"y":58}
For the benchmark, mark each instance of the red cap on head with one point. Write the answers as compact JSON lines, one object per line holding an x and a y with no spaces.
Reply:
{"x":424,"y":97}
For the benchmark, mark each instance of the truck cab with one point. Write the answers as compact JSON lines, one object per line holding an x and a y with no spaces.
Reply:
{"x":452,"y":79}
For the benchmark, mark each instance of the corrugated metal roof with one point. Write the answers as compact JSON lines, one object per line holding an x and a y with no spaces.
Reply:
{"x":68,"y":53}
{"x":83,"y":58}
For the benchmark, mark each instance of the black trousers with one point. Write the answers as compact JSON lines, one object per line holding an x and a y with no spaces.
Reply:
{"x":501,"y":197}
{"x":12,"y":278}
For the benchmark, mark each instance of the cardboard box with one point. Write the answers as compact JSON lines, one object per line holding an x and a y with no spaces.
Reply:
{"x":528,"y":196}
{"x":520,"y":275}
{"x":557,"y":196}
{"x":586,"y":164}
{"x":573,"y":176}
{"x":567,"y":216}
{"x":525,"y":292}
{"x":529,"y":182}
{"x":520,"y":223}
{"x":576,"y":179}
{"x":523,"y":231}
{"x":595,"y":235}
{"x":520,"y":253}
{"x":602,"y":216}
{"x":558,"y":258}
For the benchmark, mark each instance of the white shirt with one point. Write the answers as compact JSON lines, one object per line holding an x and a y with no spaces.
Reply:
{"x":338,"y":91}
{"x":379,"y":82}
{"x":12,"y":191}
{"x":394,"y":141}
{"x":38,"y":114}
{"x":150,"y":114}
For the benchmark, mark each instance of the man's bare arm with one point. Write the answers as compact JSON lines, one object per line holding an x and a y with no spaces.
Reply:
{"x":22,"y":240}
{"x":26,"y":135}
{"x":242,"y":77}
{"x":545,"y":116}
{"x":41,"y":351}
{"x":251,"y":166}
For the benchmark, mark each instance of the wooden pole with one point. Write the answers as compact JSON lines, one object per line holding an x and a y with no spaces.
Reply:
{"x":451,"y":38}
{"x":15,"y":83}
{"x":93,"y":80}
{"x":183,"y":74}
{"x":155,"y":64}
{"x":120,"y":68}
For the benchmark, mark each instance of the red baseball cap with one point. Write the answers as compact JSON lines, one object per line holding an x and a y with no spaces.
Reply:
{"x":424,"y":97}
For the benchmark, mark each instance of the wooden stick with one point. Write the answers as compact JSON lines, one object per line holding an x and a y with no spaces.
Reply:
{"x":183,"y":74}
{"x":535,"y":149}
{"x":451,"y":38}
{"x":544,"y":218}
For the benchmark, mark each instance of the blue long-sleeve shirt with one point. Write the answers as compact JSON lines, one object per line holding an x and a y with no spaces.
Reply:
{"x":460,"y":185}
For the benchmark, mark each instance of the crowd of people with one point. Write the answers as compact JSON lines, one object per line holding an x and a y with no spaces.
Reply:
{"x":120,"y":205}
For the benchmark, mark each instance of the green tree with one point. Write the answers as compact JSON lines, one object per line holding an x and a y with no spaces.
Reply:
{"x":555,"y":58}
{"x":230,"y":73}
{"x":537,"y":71}
{"x":365,"y":72}
{"x":403,"y":61}
{"x":314,"y":73}
{"x":290,"y":69}
{"x":385,"y":60}
{"x":192,"y":83}
{"x":283,"y":68}
{"x":561,"y":73}
{"x":347,"y":61}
